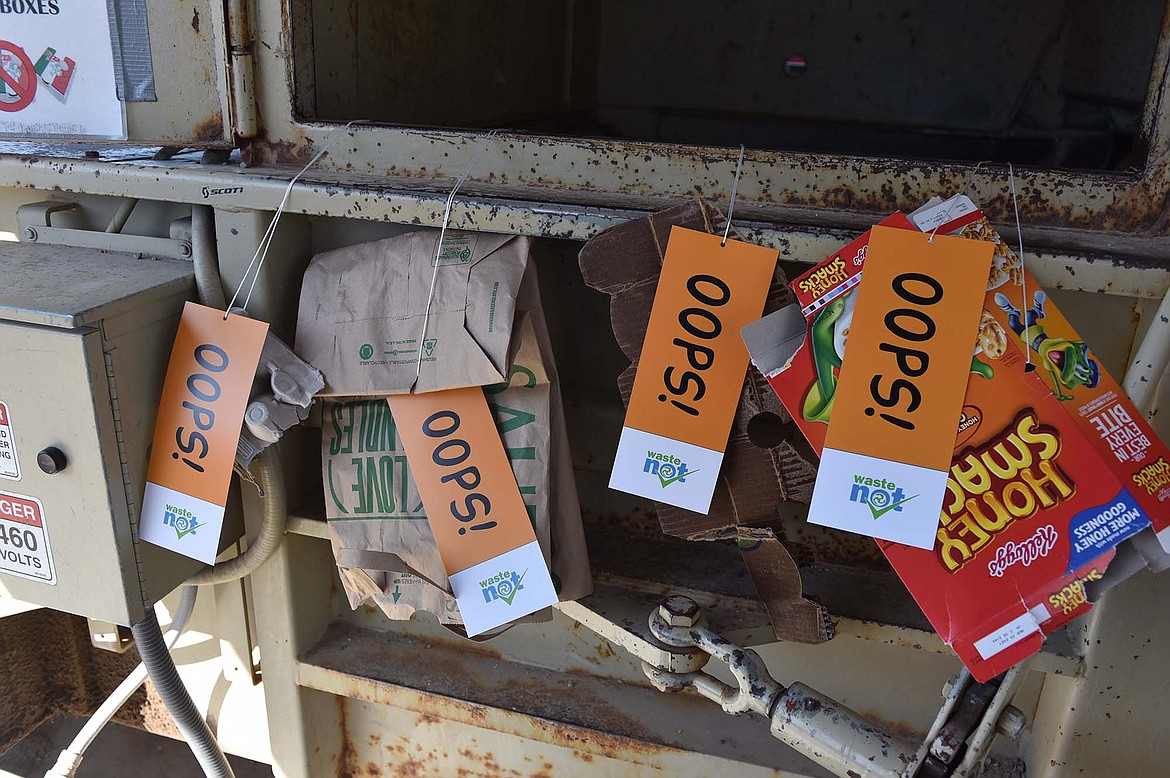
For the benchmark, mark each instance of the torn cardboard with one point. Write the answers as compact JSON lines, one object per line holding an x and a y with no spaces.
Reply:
{"x":381,"y":540}
{"x":624,"y":262}
{"x":362,"y":312}
{"x":777,"y":579}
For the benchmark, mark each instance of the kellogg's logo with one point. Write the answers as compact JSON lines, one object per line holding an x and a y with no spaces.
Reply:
{"x":502,"y":586}
{"x":1035,"y":547}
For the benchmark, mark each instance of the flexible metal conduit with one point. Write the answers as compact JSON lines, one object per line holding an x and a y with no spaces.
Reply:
{"x":270,"y":476}
{"x":205,"y":256}
{"x":70,"y":758}
{"x":161,"y":668}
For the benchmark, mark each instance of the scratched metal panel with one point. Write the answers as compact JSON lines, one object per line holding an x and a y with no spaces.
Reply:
{"x":185,"y":47}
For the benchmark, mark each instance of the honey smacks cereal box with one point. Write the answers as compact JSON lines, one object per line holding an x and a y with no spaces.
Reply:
{"x":1036,"y":502}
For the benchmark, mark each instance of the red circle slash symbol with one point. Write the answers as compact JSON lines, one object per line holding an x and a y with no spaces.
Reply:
{"x":16,"y":71}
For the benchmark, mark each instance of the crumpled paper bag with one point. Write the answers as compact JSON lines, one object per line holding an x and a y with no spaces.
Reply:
{"x":362,"y":309}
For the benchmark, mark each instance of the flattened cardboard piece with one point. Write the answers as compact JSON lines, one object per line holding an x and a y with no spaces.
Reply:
{"x":1027,"y":497}
{"x":362,"y":309}
{"x":624,"y":262}
{"x":693,"y":366}
{"x":777,"y":580}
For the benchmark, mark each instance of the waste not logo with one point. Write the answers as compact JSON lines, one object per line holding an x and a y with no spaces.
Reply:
{"x":669,"y":469}
{"x":879,"y":495}
{"x":502,"y":586}
{"x":183,"y":521}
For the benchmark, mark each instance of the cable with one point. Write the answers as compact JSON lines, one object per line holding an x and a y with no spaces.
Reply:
{"x":160,"y":666}
{"x":270,"y":477}
{"x":70,"y":758}
{"x":205,"y":257}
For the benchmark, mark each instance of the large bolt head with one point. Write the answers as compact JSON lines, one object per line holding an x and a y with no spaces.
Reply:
{"x":678,"y":611}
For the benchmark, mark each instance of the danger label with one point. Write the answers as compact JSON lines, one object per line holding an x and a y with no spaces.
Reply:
{"x":24,"y":540}
{"x":9,"y":466}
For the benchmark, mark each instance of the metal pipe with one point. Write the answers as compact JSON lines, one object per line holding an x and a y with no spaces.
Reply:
{"x":122,"y":214}
{"x":958,"y":685}
{"x":243,"y":72}
{"x":836,"y":737}
{"x":205,"y":255}
{"x":980,"y":740}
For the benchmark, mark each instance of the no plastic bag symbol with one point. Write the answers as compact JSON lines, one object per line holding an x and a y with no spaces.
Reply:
{"x":20,"y":82}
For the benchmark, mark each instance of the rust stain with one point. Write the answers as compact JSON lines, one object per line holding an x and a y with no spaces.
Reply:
{"x":853,"y":190}
{"x":898,"y":729}
{"x":209,"y":130}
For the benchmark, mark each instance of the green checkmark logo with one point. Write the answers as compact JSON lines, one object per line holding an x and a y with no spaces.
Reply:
{"x":882,"y":511}
{"x":668,"y":481}
{"x":515,"y":588}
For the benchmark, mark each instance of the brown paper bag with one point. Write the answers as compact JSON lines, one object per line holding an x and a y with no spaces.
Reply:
{"x":362,"y":309}
{"x":381,"y":540}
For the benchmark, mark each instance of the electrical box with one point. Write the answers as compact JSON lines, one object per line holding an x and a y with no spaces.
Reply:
{"x":85,"y":337}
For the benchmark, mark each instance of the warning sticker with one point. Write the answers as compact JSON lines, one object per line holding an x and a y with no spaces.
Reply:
{"x":24,"y":540}
{"x":9,"y":466}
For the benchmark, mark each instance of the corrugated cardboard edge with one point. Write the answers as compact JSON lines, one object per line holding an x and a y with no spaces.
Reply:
{"x":625,"y":262}
{"x":777,"y":580}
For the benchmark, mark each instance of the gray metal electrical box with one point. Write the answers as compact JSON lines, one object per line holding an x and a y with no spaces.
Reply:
{"x":84,"y":341}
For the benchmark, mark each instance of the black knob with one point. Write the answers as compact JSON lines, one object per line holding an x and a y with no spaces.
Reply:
{"x":52,"y":460}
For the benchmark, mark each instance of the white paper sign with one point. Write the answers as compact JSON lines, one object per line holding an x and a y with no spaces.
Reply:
{"x":57,"y":71}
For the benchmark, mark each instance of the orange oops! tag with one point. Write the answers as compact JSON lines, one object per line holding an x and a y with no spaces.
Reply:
{"x":691,"y":370}
{"x":473,"y":506}
{"x":209,"y":378}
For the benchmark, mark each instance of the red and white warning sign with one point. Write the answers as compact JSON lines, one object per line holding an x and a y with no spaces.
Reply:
{"x":9,"y":464}
{"x":24,"y":540}
{"x":20,"y":80}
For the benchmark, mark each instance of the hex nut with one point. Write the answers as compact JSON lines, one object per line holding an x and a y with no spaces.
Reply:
{"x":1011,"y":722}
{"x":678,"y":611}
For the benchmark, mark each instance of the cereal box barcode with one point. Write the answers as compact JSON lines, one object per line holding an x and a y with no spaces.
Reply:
{"x":1008,"y":635}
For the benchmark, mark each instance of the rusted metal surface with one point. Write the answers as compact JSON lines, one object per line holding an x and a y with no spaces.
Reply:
{"x":1110,"y":263}
{"x":437,"y":686}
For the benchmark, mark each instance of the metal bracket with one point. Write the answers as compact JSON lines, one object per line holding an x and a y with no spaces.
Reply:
{"x":35,"y":226}
{"x":822,"y":729}
{"x":109,"y":637}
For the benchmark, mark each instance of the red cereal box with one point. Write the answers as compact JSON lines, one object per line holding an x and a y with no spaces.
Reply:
{"x":1030,"y":512}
